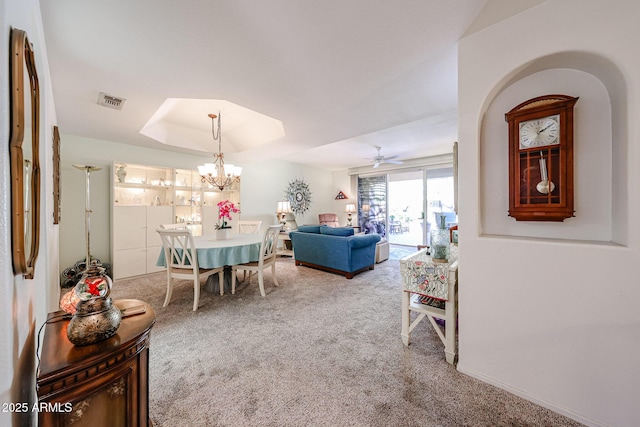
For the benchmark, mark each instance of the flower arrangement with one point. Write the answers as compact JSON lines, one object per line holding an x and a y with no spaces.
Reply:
{"x":225,"y":208}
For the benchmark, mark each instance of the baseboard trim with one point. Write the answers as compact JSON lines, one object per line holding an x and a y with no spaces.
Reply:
{"x":520,"y":393}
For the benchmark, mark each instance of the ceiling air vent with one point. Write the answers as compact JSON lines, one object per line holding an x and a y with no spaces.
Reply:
{"x":110,"y":101}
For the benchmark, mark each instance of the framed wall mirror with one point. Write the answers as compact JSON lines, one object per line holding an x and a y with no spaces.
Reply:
{"x":24,"y":155}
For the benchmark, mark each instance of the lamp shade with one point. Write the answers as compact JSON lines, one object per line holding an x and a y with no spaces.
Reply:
{"x":207,"y":169}
{"x":350,"y":208}
{"x":366,"y":208}
{"x":69,"y":301}
{"x":283,"y":207}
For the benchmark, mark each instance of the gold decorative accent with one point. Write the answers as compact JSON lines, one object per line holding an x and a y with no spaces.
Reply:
{"x":56,"y":175}
{"x":79,"y":409}
{"x":541,"y":102}
{"x":117,"y":388}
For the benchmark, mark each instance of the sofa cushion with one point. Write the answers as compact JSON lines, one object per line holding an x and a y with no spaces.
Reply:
{"x":336,"y":231}
{"x":309,"y":229}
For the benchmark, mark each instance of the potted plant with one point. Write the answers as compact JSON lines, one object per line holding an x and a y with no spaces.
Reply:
{"x":225,"y":208}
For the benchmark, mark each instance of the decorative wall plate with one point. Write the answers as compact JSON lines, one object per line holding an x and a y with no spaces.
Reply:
{"x":299,"y":196}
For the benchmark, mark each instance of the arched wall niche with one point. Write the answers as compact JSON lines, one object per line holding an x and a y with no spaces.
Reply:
{"x":600,"y":146}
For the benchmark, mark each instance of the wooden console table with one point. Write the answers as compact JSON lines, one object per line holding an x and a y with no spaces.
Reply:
{"x":104,"y":384}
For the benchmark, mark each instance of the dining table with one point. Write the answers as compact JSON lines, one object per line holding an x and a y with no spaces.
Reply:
{"x":236,"y":248}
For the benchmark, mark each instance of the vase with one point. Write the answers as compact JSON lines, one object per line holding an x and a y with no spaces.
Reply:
{"x":121,"y":173}
{"x":440,"y":242}
{"x":96,"y":318}
{"x":221,"y":234}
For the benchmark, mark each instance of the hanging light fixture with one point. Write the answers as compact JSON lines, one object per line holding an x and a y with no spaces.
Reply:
{"x":218,"y":174}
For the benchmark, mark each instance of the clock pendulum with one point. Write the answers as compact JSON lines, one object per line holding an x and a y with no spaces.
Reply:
{"x":544,"y":186}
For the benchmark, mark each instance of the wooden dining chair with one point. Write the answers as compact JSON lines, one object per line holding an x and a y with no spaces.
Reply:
{"x":267,"y":259}
{"x":249,"y":227}
{"x":182,"y":263}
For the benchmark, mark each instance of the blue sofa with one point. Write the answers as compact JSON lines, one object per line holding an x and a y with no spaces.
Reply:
{"x":334,"y":249}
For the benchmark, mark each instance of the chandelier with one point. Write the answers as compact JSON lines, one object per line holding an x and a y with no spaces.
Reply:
{"x":218,"y":174}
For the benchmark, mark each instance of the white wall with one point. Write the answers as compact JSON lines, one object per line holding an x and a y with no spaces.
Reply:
{"x":262,"y":186}
{"x":24,"y":303}
{"x":348,"y":185}
{"x":555,"y":321}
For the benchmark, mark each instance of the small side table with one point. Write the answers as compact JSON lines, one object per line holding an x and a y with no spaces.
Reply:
{"x":285,"y":248}
{"x":415,"y":270}
{"x":103,"y":384}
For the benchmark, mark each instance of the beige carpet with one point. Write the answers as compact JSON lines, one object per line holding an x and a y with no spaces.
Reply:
{"x":319,"y":350}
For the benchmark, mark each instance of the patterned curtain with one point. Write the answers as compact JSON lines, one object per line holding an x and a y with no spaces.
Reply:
{"x":372,"y":204}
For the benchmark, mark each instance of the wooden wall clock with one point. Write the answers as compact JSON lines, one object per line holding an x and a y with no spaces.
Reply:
{"x":541,"y":159}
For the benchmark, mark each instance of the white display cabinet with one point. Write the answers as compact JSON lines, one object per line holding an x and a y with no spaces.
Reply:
{"x":188,"y":199}
{"x":136,"y":245}
{"x":142,"y":185}
{"x":142,"y":200}
{"x":144,"y":197}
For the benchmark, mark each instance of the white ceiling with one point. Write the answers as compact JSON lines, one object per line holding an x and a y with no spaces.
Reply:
{"x":341,"y":75}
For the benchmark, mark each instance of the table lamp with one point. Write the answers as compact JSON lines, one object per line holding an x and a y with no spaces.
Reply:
{"x":283,"y":208}
{"x":350,"y":208}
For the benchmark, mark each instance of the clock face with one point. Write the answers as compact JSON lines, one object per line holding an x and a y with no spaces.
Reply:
{"x":539,"y":132}
{"x":299,"y":197}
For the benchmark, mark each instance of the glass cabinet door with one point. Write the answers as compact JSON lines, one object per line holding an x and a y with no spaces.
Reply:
{"x":188,"y":199}
{"x":136,"y":185}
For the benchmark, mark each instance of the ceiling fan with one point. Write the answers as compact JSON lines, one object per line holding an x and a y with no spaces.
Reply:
{"x":380,"y":159}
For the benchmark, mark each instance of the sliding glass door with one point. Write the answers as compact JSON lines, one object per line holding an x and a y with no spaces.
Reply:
{"x":403,"y":205}
{"x":406,"y":205}
{"x":440,"y":197}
